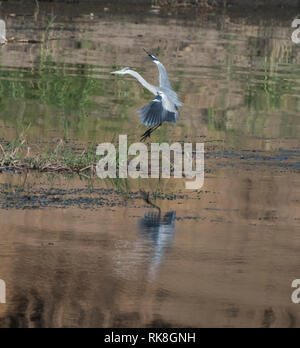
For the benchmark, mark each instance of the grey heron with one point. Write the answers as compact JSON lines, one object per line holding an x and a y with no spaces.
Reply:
{"x":164,"y":107}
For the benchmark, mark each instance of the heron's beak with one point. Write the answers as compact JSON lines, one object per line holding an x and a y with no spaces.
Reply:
{"x":115,"y":72}
{"x":147,"y":52}
{"x":151,"y":56}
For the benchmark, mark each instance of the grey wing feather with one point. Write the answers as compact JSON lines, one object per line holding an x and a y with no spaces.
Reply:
{"x":172,"y":96}
{"x":163,"y":76}
{"x":154,"y":113}
{"x":170,"y":116}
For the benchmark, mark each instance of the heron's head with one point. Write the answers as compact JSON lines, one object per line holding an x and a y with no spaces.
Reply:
{"x":152,"y":57}
{"x":121,"y":72}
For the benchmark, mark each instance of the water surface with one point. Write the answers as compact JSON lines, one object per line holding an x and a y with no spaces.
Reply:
{"x":149,"y":253}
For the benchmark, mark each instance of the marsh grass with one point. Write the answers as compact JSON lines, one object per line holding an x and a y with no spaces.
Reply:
{"x":17,"y":155}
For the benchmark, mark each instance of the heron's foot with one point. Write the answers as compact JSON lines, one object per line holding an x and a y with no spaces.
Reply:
{"x":148,"y":133}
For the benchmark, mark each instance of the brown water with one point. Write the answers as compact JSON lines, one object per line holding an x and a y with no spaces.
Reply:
{"x":84,"y":254}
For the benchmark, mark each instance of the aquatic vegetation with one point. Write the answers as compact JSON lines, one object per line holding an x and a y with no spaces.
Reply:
{"x":17,"y":155}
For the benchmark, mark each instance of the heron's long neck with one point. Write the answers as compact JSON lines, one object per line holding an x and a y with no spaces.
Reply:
{"x":147,"y":85}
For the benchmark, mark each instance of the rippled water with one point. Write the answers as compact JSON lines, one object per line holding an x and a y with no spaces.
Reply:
{"x":150,"y":253}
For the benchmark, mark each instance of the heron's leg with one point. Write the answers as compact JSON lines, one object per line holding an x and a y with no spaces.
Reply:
{"x":148,"y":132}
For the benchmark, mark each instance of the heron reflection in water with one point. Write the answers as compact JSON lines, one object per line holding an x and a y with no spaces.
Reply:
{"x":147,"y":251}
{"x":164,"y":108}
{"x":159,"y":229}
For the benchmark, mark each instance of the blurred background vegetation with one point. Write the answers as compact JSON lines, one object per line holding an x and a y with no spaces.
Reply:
{"x":237,"y":74}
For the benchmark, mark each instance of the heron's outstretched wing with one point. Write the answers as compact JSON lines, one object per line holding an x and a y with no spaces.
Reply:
{"x":163,"y":76}
{"x":151,"y":114}
{"x":158,"y":111}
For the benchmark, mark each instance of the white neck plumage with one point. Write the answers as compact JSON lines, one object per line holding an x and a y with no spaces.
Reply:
{"x":147,"y":85}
